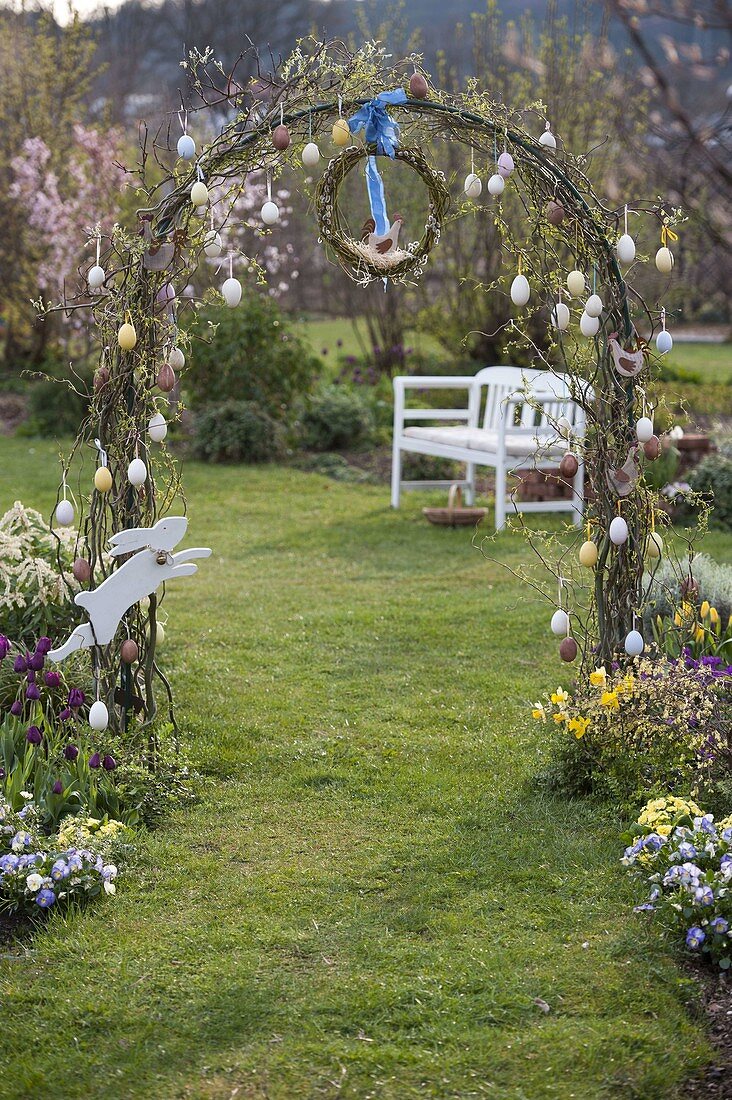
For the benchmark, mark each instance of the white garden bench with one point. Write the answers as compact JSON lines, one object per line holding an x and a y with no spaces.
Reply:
{"x":510,"y":423}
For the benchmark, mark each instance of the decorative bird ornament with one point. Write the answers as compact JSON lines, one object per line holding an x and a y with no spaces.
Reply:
{"x":381,"y":242}
{"x":623,"y":478}
{"x":627,"y":363}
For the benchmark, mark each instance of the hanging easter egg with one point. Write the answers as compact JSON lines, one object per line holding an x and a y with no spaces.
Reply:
{"x":625,"y":249}
{"x":644,"y":429}
{"x":212,"y":244}
{"x":619,"y":531}
{"x":199,"y":193}
{"x":520,"y":290}
{"x":496,"y":184}
{"x":634,"y":644}
{"x":564,"y":427}
{"x":569,"y":465}
{"x":593,"y":305}
{"x":189,"y":292}
{"x":310,"y":155}
{"x":166,"y":378}
{"x":418,"y":86}
{"x":654,"y":546}
{"x":177,"y":359}
{"x":341,"y":133}
{"x":560,"y":316}
{"x":664,"y":260}
{"x":505,"y":165}
{"x":555,"y":212}
{"x":186,"y":147}
{"x":652,"y":448}
{"x":102,"y":479}
{"x":664,"y":343}
{"x":101,"y":377}
{"x":560,"y":622}
{"x":98,"y":716}
{"x":64,"y":513}
{"x":547,"y":139}
{"x":231,"y":291}
{"x":137,"y":472}
{"x":127,"y":337}
{"x":81,"y":570}
{"x":589,"y":326}
{"x":568,"y":650}
{"x":270,"y":213}
{"x":576,"y":284}
{"x":157,"y":427}
{"x":281,"y":137}
{"x":159,"y":634}
{"x":472,"y":186}
{"x":96,"y":277}
{"x":129,"y":651}
{"x":166,"y":295}
{"x":588,"y":554}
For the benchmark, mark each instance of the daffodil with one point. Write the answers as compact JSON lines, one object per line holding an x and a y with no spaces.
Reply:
{"x":578,"y":726}
{"x":610,"y":700}
{"x":538,"y":712}
{"x":598,"y":678}
{"x":560,"y":716}
{"x":559,"y":697}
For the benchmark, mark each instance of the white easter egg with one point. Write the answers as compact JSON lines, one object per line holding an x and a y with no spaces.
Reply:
{"x":96,"y":277}
{"x":98,"y":716}
{"x":625,"y":249}
{"x":231,"y":290}
{"x":64,"y":513}
{"x":186,"y":147}
{"x":157,"y":428}
{"x":560,"y":316}
{"x":496,"y":184}
{"x":310,"y":155}
{"x":548,"y":140}
{"x":593,"y":305}
{"x":560,"y":623}
{"x":576,"y":283}
{"x":564,"y":427}
{"x":654,"y":546}
{"x":520,"y":290}
{"x":634,"y":644}
{"x":199,"y":193}
{"x":589,"y":326}
{"x":472,"y":186}
{"x":664,"y":342}
{"x":270,"y":213}
{"x":176,"y":359}
{"x":212,"y":244}
{"x":618,"y":531}
{"x":137,"y":472}
{"x":664,"y":260}
{"x":644,"y":429}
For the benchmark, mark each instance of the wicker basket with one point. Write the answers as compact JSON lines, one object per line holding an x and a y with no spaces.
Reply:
{"x":454,"y":515}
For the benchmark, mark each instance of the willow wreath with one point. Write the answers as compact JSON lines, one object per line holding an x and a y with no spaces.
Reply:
{"x":358,"y":258}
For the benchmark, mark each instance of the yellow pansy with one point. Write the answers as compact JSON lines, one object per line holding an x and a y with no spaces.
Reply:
{"x":598,"y":677}
{"x":578,"y":726}
{"x":560,"y":697}
{"x":610,"y":699}
{"x":663,"y":830}
{"x":538,"y":712}
{"x":704,"y":609}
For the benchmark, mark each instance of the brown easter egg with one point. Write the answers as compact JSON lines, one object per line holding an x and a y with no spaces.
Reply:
{"x":129,"y":651}
{"x":652,"y":448}
{"x":568,"y":649}
{"x":101,"y":377}
{"x":280,"y":137}
{"x":555,"y":212}
{"x":569,"y":465}
{"x":418,"y":86}
{"x":81,"y":570}
{"x":166,"y":378}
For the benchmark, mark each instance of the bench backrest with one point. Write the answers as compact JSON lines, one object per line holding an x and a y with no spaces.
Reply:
{"x":499,"y":383}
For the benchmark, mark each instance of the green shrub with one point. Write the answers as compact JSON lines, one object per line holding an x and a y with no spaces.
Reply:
{"x":54,"y":408}
{"x":254,"y":356}
{"x":713,"y":477}
{"x":336,"y":417}
{"x":236,"y":431}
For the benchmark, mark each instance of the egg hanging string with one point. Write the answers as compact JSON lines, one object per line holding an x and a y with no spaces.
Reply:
{"x":103,"y":458}
{"x":183,"y":119}
{"x":269,"y":186}
{"x":667,"y":235}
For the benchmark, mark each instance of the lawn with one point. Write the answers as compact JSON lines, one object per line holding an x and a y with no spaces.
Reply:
{"x":368,"y":900}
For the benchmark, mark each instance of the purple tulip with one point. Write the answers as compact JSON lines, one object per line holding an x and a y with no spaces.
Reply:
{"x":64,"y":715}
{"x":53,"y":679}
{"x":20,"y":664}
{"x":43,"y":645}
{"x":30,"y":676}
{"x":109,"y":763}
{"x":4,"y":647}
{"x":36,"y":661}
{"x":71,"y":752}
{"x":76,"y":698}
{"x":17,"y":708}
{"x":95,"y":760}
{"x":32,"y":691}
{"x":58,"y":787}
{"x":34,"y":735}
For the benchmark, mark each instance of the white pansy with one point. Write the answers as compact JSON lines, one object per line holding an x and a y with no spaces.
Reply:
{"x":34,"y":882}
{"x":109,"y":887}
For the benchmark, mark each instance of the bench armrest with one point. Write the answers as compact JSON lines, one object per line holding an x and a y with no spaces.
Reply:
{"x":468,"y":413}
{"x":433,"y":382}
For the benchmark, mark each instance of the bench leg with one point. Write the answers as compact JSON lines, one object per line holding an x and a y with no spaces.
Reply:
{"x":470,"y":487}
{"x":500,"y":497}
{"x":396,"y":475}
{"x":578,"y":495}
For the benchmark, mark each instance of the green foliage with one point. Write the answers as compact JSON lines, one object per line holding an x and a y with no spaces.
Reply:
{"x":236,"y":431}
{"x":255,"y":355}
{"x":55,"y":408}
{"x":336,"y":417}
{"x":713,"y":477}
{"x":663,"y":471}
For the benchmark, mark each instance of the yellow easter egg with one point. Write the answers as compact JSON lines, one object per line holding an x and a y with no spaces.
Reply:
{"x":588,"y":554}
{"x":654,"y":545}
{"x":341,"y":133}
{"x":127,"y":337}
{"x":102,"y":480}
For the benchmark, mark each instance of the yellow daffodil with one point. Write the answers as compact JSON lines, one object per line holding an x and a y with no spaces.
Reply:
{"x":559,"y":697}
{"x":598,"y":678}
{"x":538,"y":712}
{"x":578,"y":726}
{"x":560,"y":716}
{"x":704,"y":609}
{"x":610,"y":700}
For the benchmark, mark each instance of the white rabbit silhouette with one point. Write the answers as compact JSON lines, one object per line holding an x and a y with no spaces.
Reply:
{"x":152,"y":564}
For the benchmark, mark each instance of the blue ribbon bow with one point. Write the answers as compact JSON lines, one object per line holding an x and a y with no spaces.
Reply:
{"x":382,"y":131}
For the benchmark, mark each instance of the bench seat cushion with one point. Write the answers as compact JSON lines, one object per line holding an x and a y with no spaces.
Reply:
{"x":486,"y":440}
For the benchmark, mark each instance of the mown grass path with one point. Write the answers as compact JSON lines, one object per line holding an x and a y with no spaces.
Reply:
{"x":367,"y":901}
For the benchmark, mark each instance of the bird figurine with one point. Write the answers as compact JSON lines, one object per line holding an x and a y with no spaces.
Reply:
{"x":627,"y":363}
{"x":381,"y":242}
{"x":622,"y":479}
